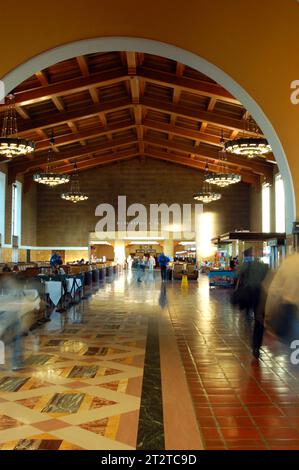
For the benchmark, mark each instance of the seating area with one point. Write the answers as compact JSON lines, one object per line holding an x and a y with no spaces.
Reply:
{"x":180,"y":268}
{"x":38,"y":292}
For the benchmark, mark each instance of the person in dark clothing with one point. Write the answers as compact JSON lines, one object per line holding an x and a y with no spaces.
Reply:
{"x":163,"y":261}
{"x":251,"y":277}
{"x":55,"y":260}
{"x":6,"y":269}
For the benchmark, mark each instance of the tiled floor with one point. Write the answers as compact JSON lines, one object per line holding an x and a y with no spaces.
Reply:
{"x":85,"y":384}
{"x":240,"y":403}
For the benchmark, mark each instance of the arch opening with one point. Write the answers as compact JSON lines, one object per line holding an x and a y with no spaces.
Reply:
{"x":109,"y":44}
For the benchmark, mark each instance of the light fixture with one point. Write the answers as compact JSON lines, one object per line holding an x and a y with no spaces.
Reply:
{"x":74,"y":195}
{"x":49,"y":177}
{"x":250,"y":147}
{"x":10,"y":144}
{"x":223,"y":177}
{"x":206,"y":195}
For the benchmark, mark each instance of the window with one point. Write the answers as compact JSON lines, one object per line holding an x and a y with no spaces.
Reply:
{"x":16,"y":209}
{"x":2,"y":206}
{"x":280,"y":225}
{"x":266,"y":208}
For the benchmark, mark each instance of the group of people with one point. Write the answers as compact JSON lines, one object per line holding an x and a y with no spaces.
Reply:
{"x":143,"y":262}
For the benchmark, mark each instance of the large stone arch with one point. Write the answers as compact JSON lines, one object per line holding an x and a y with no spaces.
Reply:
{"x":105,"y":44}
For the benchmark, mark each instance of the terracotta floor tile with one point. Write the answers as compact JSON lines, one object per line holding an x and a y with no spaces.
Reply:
{"x":230,"y":411}
{"x":240,"y":433}
{"x":279,"y":433}
{"x":203,"y":411}
{"x":210,"y":433}
{"x":264,"y":411}
{"x":206,"y":422}
{"x":237,"y":421}
{"x":224,"y":400}
{"x":276,"y":421}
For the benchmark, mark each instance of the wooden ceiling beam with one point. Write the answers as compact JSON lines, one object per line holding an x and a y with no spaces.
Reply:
{"x":180,"y":68}
{"x":70,"y":138}
{"x":100,"y":160}
{"x":70,"y":154}
{"x":67,"y":87}
{"x":79,"y":113}
{"x":131,"y":60}
{"x":210,"y":155}
{"x":186,"y":84}
{"x":43,"y":79}
{"x":198,"y":115}
{"x":200,"y":165}
{"x":74,"y":130}
{"x":182,"y":132}
{"x":22,"y":112}
{"x":92,"y":162}
{"x":83,"y":66}
{"x":75,"y":85}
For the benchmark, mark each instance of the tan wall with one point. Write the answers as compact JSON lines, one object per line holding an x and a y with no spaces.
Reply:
{"x":104,"y":250}
{"x":70,"y":255}
{"x":6,"y":255}
{"x":256,"y":209}
{"x":29,"y":216}
{"x":22,"y":256}
{"x":61,"y":223}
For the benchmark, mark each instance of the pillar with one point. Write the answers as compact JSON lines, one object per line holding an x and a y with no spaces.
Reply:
{"x":119,"y":251}
{"x":168,"y":248}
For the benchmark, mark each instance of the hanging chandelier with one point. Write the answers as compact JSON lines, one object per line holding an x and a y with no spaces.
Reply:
{"x":10,"y":144}
{"x":223,"y":177}
{"x":206,"y":195}
{"x":250,"y":147}
{"x":74,"y":195}
{"x":49,"y":177}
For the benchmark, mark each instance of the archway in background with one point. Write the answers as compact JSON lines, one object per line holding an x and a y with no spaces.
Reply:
{"x":109,"y":44}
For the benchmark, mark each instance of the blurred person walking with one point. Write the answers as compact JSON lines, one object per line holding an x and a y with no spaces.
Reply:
{"x":163,"y":261}
{"x":141,"y":264}
{"x":250,"y":295}
{"x":282,"y":305}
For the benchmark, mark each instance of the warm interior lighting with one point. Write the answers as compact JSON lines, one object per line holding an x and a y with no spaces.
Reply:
{"x":266,"y":208}
{"x":250,"y":147}
{"x":50,"y":177}
{"x":204,"y":235}
{"x":143,"y":242}
{"x":280,"y":225}
{"x":147,"y":239}
{"x":74,"y":195}
{"x":206,"y":195}
{"x":223,"y":177}
{"x":187,"y":243}
{"x":10,"y":144}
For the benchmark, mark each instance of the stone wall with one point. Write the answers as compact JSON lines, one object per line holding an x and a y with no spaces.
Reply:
{"x":61,"y":223}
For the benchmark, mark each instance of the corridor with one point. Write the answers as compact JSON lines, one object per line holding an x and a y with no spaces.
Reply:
{"x":150,"y":366}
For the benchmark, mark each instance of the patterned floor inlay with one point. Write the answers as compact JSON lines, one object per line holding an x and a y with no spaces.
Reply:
{"x":72,"y":391}
{"x":64,"y":403}
{"x":12,"y":384}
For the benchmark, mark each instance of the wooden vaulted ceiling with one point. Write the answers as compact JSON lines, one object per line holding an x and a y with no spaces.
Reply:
{"x":109,"y":107}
